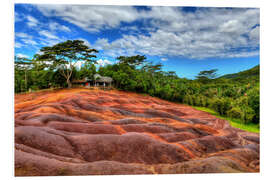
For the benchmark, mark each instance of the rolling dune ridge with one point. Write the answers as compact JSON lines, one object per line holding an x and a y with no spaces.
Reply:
{"x":95,"y":132}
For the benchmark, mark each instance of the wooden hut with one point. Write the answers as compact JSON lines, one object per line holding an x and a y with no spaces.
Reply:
{"x":100,"y":81}
{"x":81,"y":82}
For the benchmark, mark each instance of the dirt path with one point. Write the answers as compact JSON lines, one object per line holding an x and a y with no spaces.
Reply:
{"x":83,"y":132}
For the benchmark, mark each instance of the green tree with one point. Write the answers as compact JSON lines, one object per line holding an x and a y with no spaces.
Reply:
{"x":205,"y":76}
{"x":131,"y":61}
{"x":254,"y":102}
{"x":87,"y":70}
{"x":221,"y":105}
{"x":64,"y":56}
{"x":22,"y":64}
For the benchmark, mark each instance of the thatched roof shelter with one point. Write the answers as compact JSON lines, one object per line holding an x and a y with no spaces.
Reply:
{"x":96,"y":81}
{"x":105,"y":79}
{"x":99,"y":78}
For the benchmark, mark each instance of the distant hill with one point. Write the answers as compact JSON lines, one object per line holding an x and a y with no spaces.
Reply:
{"x":253,"y":73}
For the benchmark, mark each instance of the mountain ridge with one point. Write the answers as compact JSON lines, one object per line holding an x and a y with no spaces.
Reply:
{"x":249,"y":73}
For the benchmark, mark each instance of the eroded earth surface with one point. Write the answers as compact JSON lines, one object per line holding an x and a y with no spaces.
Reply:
{"x":95,"y":132}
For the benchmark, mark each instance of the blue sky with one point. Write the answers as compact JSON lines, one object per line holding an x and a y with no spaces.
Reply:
{"x":185,"y":40}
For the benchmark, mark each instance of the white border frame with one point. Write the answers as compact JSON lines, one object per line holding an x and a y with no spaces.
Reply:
{"x":7,"y":103}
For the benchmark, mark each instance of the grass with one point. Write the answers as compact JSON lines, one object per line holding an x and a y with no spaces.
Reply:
{"x":250,"y":127}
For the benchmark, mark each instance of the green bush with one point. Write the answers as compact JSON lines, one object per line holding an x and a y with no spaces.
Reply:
{"x":188,"y":99}
{"x":235,"y":112}
{"x":229,"y":92}
{"x":185,"y":99}
{"x":203,"y":101}
{"x":248,"y":114}
{"x":244,"y":113}
{"x":221,"y":105}
{"x":34,"y":87}
{"x":196,"y":100}
{"x":254,"y":103}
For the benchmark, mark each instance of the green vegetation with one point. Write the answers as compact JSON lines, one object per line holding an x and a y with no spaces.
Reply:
{"x":251,"y":127}
{"x":63,"y":57}
{"x":253,"y":72}
{"x":234,"y":96}
{"x":204,"y":76}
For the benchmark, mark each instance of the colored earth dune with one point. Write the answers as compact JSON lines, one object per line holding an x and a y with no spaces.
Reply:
{"x":96,"y":132}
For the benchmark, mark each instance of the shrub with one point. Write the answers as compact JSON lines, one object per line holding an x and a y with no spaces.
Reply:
{"x":235,"y":112}
{"x":244,"y":113}
{"x":34,"y":87}
{"x":196,"y":100}
{"x":203,"y":101}
{"x":188,"y":100}
{"x":221,"y":105}
{"x":229,"y":92}
{"x":185,"y":99}
{"x":254,"y":103}
{"x":248,"y":114}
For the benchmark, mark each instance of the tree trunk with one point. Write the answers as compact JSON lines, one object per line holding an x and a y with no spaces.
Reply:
{"x":69,"y":83}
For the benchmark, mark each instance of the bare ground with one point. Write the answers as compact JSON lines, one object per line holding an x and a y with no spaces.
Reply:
{"x":94,"y":132}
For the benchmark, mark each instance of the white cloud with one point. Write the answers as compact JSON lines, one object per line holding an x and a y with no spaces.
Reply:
{"x":18,"y":17}
{"x":102,"y":44}
{"x":130,"y":28}
{"x":91,"y":18}
{"x":205,"y":33}
{"x":19,"y":55}
{"x":29,"y":41}
{"x":25,"y":39}
{"x":103,"y":62}
{"x":50,"y":42}
{"x":164,"y":59}
{"x":23,"y":35}
{"x":78,"y":64}
{"x":85,"y":42}
{"x":230,"y":26}
{"x":254,"y":34}
{"x":31,"y":21}
{"x":39,"y":52}
{"x":18,"y":45}
{"x":48,"y":34}
{"x":56,"y":26}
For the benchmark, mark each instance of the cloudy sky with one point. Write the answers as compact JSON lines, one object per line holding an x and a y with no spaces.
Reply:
{"x":186,"y":40}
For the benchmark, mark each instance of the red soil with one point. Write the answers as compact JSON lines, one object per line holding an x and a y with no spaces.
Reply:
{"x":83,"y":132}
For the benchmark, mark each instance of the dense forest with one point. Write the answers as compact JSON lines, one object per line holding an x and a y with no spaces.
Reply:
{"x":234,"y":95}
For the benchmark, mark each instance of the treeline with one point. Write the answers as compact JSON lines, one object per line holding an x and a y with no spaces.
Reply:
{"x":227,"y":96}
{"x":36,"y":77}
{"x":236,"y":99}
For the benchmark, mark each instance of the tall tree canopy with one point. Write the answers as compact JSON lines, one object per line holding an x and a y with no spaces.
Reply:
{"x":64,"y":56}
{"x":132,"y":61}
{"x":204,"y":76}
